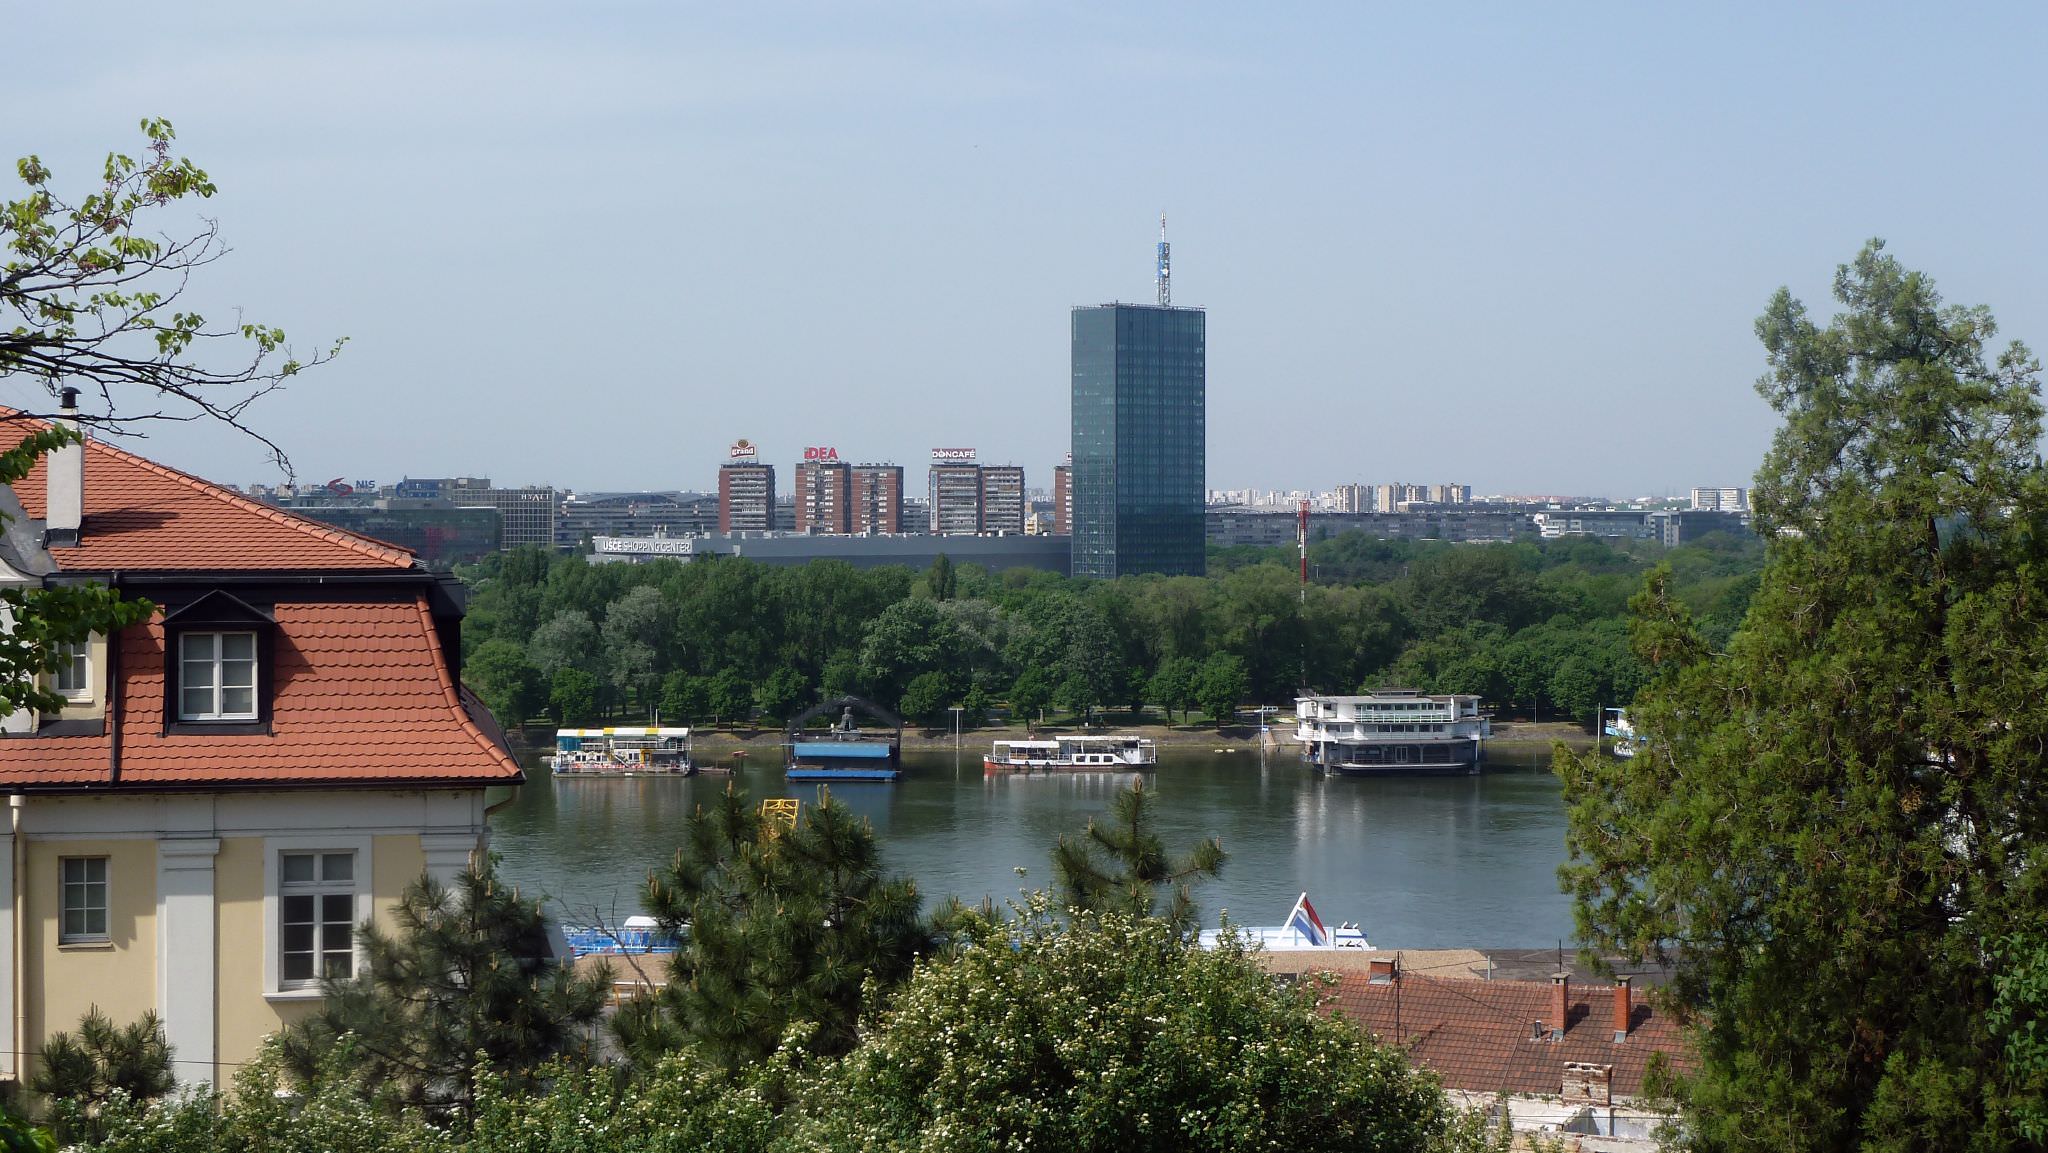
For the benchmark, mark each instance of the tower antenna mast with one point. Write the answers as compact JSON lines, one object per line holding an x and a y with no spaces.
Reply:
{"x":1164,"y":276}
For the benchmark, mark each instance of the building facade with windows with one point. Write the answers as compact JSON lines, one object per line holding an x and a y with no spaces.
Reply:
{"x":1139,"y":439}
{"x":1062,"y":499}
{"x":1002,"y":498}
{"x":955,"y":499}
{"x":746,"y":496}
{"x":824,"y":496}
{"x":232,"y":785}
{"x":878,"y":498}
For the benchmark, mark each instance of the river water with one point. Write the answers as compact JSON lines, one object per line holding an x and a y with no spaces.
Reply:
{"x":1419,"y":862}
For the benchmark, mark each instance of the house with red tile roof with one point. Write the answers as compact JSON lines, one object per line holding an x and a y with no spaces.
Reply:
{"x":234,"y":784}
{"x":1570,"y":1057}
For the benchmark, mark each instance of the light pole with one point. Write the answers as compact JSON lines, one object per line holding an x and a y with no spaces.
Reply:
{"x":956,"y":726}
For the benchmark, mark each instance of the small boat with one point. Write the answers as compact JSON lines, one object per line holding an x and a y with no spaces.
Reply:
{"x":640,"y":934}
{"x":622,"y":752}
{"x":1623,"y":733}
{"x":1073,"y":754}
{"x":1303,"y":929}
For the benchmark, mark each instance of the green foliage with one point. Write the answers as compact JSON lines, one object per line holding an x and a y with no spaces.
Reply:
{"x":1030,"y":694}
{"x":17,"y":1135}
{"x":510,"y":686}
{"x":1172,"y":686}
{"x":784,"y":694}
{"x":572,"y":696}
{"x":1111,"y":1034}
{"x":729,"y":697}
{"x":82,"y":1073}
{"x":940,"y":579}
{"x":1837,"y":819}
{"x":1220,"y":685}
{"x":926,"y":698}
{"x":784,"y":927}
{"x":465,"y":983}
{"x":1122,"y":866}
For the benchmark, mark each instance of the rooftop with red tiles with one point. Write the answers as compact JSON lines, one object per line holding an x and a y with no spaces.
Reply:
{"x":143,"y":516}
{"x":1483,"y":1036}
{"x":360,"y":694}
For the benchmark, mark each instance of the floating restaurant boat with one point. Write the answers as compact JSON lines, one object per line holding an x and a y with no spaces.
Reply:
{"x":640,"y":934}
{"x":844,"y":752}
{"x":1392,"y":732}
{"x":1073,"y":754}
{"x":622,"y":752}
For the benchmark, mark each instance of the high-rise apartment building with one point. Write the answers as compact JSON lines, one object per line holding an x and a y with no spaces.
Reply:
{"x":824,"y":496}
{"x":746,"y":495}
{"x":1354,"y":498}
{"x":955,"y":493}
{"x":878,"y":498}
{"x":1063,"y":499}
{"x":1450,"y":494}
{"x":1002,"y":498}
{"x":1139,"y":439}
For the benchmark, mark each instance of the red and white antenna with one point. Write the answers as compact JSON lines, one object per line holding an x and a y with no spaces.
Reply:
{"x":1301,"y":542}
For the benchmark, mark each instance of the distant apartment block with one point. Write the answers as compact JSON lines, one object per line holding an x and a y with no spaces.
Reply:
{"x":878,"y":498}
{"x":594,"y":514}
{"x":1002,"y":498}
{"x":1232,"y":525}
{"x":1355,"y":498}
{"x":824,"y":497}
{"x":746,"y":496}
{"x":1063,"y":500}
{"x":955,"y":498}
{"x":1721,"y":499}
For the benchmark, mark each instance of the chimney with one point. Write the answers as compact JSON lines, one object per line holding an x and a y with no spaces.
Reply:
{"x":1381,"y":971}
{"x":1560,"y":1003}
{"x":64,"y":472}
{"x":1622,"y":1007}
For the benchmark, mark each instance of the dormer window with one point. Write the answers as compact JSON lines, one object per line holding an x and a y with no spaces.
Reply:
{"x":74,"y":672}
{"x":217,"y":676}
{"x":219,"y":650}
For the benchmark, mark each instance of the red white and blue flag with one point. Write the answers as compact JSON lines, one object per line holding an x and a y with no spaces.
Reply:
{"x":1303,"y":920}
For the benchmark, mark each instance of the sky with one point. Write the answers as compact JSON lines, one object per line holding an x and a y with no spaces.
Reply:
{"x":1515,"y":246}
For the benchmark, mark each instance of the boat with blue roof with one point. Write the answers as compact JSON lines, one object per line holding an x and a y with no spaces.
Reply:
{"x":845,"y":752}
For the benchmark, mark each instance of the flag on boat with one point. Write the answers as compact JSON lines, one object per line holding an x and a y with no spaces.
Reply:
{"x":1303,"y":920}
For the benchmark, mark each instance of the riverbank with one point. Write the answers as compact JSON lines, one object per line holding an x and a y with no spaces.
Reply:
{"x":711,"y":744}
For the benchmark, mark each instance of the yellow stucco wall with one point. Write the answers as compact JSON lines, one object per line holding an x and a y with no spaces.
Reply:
{"x":246,"y":1015}
{"x":63,"y":981}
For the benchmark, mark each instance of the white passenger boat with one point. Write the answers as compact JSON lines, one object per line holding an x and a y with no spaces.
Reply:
{"x":1070,"y":754}
{"x":1623,"y":733}
{"x":622,"y":751}
{"x":1392,"y":732}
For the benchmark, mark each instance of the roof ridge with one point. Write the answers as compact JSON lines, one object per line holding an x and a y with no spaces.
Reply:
{"x":376,"y":550}
{"x":367,"y":546}
{"x":454,"y":694}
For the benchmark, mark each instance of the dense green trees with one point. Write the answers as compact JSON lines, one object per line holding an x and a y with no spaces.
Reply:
{"x":1838,"y":820}
{"x":1533,"y":626}
{"x":465,"y":984}
{"x":784,"y":925}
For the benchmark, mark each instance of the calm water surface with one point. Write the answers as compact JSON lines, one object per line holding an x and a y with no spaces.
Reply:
{"x":1419,"y":862}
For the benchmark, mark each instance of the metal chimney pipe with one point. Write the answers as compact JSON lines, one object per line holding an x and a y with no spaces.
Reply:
{"x":64,"y":478}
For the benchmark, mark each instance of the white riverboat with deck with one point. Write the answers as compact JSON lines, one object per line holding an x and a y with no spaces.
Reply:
{"x":622,"y":751}
{"x":1392,"y":732}
{"x":1073,"y":754}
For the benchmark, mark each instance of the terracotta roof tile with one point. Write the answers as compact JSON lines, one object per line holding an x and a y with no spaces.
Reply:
{"x":360,"y":692}
{"x":1476,"y":1034}
{"x":141,"y":516}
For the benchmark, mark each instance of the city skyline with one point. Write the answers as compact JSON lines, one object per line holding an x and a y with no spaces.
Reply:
{"x":1548,"y":232}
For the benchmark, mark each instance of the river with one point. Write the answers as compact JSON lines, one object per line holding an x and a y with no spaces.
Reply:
{"x":1419,"y":862}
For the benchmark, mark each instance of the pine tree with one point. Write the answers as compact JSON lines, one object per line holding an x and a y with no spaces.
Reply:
{"x":80,"y":1073}
{"x":1122,"y":866}
{"x":1837,"y":821}
{"x":779,"y":926}
{"x":466,"y":973}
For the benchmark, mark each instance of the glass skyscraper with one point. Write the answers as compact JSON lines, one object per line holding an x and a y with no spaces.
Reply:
{"x":1140,"y":439}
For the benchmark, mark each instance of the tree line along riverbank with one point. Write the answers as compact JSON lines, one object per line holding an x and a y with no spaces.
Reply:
{"x":1535,"y":628}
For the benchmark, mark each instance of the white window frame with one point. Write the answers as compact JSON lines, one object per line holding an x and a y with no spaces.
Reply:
{"x":78,"y":660}
{"x":106,"y":907}
{"x":274,"y":849}
{"x":218,"y":637}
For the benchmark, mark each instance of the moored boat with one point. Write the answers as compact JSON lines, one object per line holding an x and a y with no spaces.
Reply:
{"x":1073,"y":754}
{"x":1392,"y":732}
{"x":844,"y":752}
{"x":622,"y":752}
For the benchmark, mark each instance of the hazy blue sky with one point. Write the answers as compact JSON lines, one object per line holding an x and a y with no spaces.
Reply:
{"x":1518,"y":246}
